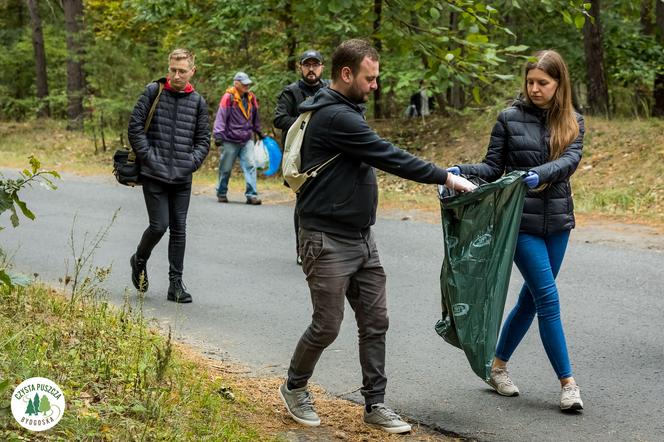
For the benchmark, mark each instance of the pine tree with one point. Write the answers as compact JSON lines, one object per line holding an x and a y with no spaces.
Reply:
{"x":45,"y":404}
{"x":31,"y":409}
{"x":35,"y":403}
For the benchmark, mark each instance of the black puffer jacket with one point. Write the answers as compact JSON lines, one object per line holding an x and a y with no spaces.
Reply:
{"x":178,"y":139}
{"x":342,"y":198}
{"x":519,"y":141}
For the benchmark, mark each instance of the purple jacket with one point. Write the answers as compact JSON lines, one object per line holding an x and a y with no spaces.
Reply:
{"x":235,"y":123}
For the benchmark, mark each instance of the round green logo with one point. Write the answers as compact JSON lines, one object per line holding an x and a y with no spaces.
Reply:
{"x":38,"y":404}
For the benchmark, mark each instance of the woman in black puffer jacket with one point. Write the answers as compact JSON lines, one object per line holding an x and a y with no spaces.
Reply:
{"x":540,"y":134}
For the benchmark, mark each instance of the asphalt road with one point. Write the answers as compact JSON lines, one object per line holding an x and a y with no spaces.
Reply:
{"x":251,"y":304}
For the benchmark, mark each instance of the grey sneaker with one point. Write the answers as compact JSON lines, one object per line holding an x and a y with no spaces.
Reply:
{"x":570,"y":398}
{"x":385,"y":419}
{"x":300,"y":405}
{"x":501,"y":382}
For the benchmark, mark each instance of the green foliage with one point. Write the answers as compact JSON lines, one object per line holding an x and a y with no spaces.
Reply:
{"x":474,"y":46}
{"x":9,"y":189}
{"x":10,"y":200}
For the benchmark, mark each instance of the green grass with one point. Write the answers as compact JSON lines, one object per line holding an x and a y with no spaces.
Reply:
{"x":121,"y":380}
{"x":621,"y":174}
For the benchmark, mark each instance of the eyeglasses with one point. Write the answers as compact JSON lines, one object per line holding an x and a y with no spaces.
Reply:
{"x":311,"y":65}
{"x":182,"y":72}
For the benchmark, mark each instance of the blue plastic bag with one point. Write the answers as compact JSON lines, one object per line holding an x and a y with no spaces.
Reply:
{"x":274,"y":153}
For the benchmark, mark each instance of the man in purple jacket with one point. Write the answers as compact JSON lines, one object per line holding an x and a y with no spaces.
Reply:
{"x":236,"y":123}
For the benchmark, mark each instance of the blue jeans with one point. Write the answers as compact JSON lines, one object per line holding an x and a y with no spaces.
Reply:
{"x":246,"y":153}
{"x":538,"y":259}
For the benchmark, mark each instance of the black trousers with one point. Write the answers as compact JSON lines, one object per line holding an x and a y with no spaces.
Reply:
{"x":167,"y":206}
{"x":339,"y":268}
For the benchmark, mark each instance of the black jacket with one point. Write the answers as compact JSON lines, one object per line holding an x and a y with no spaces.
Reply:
{"x":342,"y":199}
{"x":178,"y":139}
{"x":519,"y":141}
{"x":289,"y":99}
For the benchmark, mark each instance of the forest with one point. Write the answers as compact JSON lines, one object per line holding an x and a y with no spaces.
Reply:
{"x":86,"y":61}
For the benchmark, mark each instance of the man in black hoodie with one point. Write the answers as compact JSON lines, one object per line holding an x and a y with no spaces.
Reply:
{"x":337,"y":209}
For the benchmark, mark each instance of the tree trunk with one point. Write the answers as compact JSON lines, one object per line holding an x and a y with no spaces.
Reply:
{"x":647,"y":25}
{"x":455,"y":96}
{"x":40,"y":59}
{"x":658,"y":87}
{"x":75,"y":75}
{"x":291,"y":41}
{"x":378,"y":44}
{"x":598,"y":92}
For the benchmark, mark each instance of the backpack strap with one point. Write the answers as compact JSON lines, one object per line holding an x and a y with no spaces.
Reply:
{"x":292,"y":158}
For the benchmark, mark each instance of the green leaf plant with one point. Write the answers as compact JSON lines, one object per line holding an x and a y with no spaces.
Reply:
{"x":10,"y":201}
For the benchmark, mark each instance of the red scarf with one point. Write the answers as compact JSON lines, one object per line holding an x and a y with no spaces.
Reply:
{"x":188,"y":88}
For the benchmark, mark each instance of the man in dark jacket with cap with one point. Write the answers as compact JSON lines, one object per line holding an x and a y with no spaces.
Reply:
{"x":311,"y":69}
{"x":169,"y":151}
{"x":337,"y":209}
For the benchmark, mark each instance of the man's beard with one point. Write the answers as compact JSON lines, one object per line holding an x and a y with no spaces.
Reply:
{"x":356,"y":95}
{"x":310,"y":82}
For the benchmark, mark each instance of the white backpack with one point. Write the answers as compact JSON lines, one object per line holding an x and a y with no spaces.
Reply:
{"x":291,"y":163}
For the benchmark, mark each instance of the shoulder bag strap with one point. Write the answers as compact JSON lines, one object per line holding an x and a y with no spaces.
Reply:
{"x":153,"y":108}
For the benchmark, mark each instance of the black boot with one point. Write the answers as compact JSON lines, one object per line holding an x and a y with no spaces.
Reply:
{"x":177,"y":292}
{"x":139,"y":274}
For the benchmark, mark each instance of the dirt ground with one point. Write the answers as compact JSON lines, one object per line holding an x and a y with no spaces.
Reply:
{"x":341,"y":420}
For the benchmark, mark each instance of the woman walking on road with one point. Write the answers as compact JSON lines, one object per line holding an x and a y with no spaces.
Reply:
{"x":543,"y":135}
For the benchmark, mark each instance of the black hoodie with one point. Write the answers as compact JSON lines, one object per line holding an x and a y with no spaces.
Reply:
{"x":342,"y":199}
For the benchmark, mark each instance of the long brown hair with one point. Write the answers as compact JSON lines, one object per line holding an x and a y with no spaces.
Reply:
{"x":561,"y":120}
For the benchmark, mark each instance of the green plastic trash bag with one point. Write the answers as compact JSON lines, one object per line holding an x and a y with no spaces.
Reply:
{"x":480,"y":229}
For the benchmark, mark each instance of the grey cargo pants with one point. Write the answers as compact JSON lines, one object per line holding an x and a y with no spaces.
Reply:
{"x":337,"y":267}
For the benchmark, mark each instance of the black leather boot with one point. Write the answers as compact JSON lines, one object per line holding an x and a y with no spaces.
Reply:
{"x":178,"y":293}
{"x":139,"y":274}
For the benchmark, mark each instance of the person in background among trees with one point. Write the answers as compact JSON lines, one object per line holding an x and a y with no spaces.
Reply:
{"x":542,"y":135}
{"x":286,"y":112}
{"x":421,"y":104}
{"x":236,"y":124}
{"x":337,"y":209}
{"x":167,"y":165}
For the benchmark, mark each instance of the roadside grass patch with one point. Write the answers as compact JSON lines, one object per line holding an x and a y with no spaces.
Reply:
{"x":121,"y":380}
{"x":621,"y":174}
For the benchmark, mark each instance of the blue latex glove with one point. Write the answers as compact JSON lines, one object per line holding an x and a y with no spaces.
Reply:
{"x":454,"y":170}
{"x":531,"y":179}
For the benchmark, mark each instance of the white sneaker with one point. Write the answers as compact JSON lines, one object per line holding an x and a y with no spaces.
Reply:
{"x":385,"y":419}
{"x":501,"y":382}
{"x":300,"y":405}
{"x":570,"y":397}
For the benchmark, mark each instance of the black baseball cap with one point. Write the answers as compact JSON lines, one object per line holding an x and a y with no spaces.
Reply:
{"x":311,"y":55}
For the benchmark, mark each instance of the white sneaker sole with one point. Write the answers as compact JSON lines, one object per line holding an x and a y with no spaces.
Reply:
{"x":572,"y":407}
{"x":516,"y":393}
{"x":299,"y":420}
{"x":393,"y":430}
